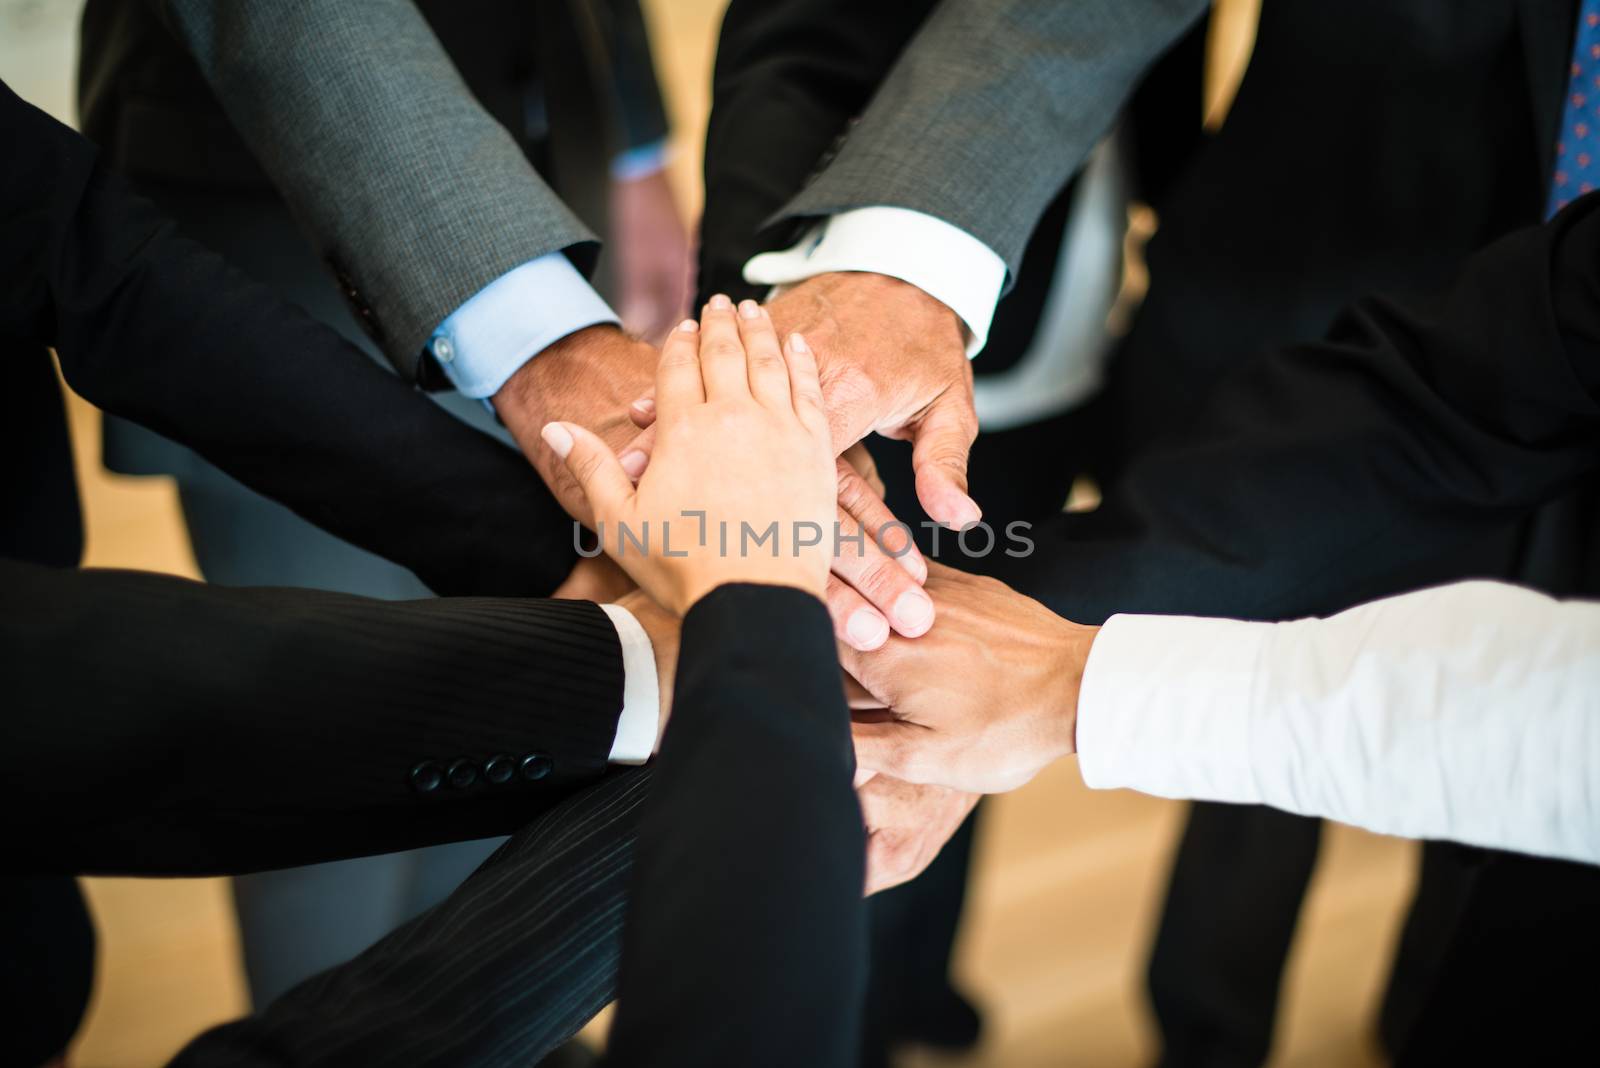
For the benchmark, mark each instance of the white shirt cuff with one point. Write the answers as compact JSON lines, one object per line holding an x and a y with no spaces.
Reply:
{"x":944,"y":261}
{"x":511,"y":319}
{"x":641,"y":698}
{"x":1165,"y":707}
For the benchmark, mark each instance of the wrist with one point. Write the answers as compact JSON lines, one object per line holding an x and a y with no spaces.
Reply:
{"x":696,"y":588}
{"x":1075,"y":644}
{"x":552,"y":373}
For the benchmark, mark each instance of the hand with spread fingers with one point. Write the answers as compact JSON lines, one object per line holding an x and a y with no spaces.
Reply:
{"x":982,"y":702}
{"x":878,"y":571}
{"x":741,"y":484}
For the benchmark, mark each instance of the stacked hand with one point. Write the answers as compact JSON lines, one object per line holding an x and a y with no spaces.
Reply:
{"x":781,"y":423}
{"x":891,"y":359}
{"x":983,"y":701}
{"x":733,"y":400}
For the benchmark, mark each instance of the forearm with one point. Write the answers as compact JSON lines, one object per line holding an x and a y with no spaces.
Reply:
{"x":1466,"y":712}
{"x":357,"y":113}
{"x":1329,"y":473}
{"x":153,"y":327}
{"x":753,"y":788}
{"x":789,"y":78}
{"x":992,"y":108}
{"x":513,"y":963}
{"x":236,"y":730}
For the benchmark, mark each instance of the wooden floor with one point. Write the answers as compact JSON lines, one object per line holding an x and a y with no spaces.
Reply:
{"x":1067,"y":880}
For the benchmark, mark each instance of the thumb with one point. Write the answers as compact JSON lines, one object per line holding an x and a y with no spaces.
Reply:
{"x":940,"y":446}
{"x":592,"y":464}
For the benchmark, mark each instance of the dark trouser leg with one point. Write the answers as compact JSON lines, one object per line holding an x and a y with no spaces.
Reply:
{"x":1497,"y":962}
{"x":1237,"y":882}
{"x":47,"y":944}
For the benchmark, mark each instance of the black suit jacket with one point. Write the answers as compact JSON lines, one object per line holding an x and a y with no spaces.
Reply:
{"x":745,"y":934}
{"x":172,"y":727}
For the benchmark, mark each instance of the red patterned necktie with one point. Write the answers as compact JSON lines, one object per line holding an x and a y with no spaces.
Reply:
{"x":1578,"y":145}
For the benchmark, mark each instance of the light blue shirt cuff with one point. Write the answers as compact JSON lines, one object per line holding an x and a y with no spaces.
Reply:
{"x":513,"y":318}
{"x":641,"y":161}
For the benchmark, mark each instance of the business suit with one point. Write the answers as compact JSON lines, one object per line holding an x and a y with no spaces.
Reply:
{"x":494,"y":147}
{"x":1319,"y":187}
{"x":752,"y":789}
{"x":150,"y":325}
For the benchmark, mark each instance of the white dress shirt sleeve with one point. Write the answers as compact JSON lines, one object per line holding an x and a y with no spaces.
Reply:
{"x":512,"y":319}
{"x":944,"y":261}
{"x":640,"y":721}
{"x":1469,"y":712}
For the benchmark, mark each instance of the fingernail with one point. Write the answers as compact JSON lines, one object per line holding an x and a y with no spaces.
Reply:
{"x":965,"y":514}
{"x":634,"y":462}
{"x":913,"y":610}
{"x":915,"y":565}
{"x":798,"y":343}
{"x":558,"y":437}
{"x":749,"y":309}
{"x":644,"y":405}
{"x":720,"y":302}
{"x":688,"y":326}
{"x":867,"y":629}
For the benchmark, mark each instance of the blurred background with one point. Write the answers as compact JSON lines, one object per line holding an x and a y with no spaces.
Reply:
{"x":1067,"y":883}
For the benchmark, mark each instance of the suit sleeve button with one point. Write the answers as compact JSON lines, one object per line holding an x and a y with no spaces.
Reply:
{"x":500,"y":769}
{"x":463,"y":773}
{"x":536,"y":766}
{"x":426,"y":777}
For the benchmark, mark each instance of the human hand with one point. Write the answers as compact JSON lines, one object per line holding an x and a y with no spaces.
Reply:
{"x":983,"y":701}
{"x":878,"y":570}
{"x":586,"y":378}
{"x":892,"y":359}
{"x":742,"y":444}
{"x":907,"y":825}
{"x":653,"y":261}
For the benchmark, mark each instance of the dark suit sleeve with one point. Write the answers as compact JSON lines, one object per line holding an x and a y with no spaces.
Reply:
{"x":513,"y":963}
{"x":789,"y":78}
{"x":1330,"y":473}
{"x":745,"y":938}
{"x":160,"y":726}
{"x":153,"y":327}
{"x":739,"y":872}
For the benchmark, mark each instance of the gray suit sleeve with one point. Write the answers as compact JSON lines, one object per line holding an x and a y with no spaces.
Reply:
{"x":415,"y":197}
{"x":991,"y":108}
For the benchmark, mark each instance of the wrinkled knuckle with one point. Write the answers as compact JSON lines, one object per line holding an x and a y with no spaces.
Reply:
{"x":879,"y":578}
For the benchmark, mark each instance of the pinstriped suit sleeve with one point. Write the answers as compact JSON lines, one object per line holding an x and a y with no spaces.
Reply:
{"x":513,"y":963}
{"x":414,"y":195}
{"x":166,"y":727}
{"x":991,"y":108}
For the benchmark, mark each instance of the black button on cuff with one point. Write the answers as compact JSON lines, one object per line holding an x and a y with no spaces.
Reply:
{"x":463,"y":773}
{"x":500,"y":769}
{"x":536,"y":766}
{"x":426,"y":777}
